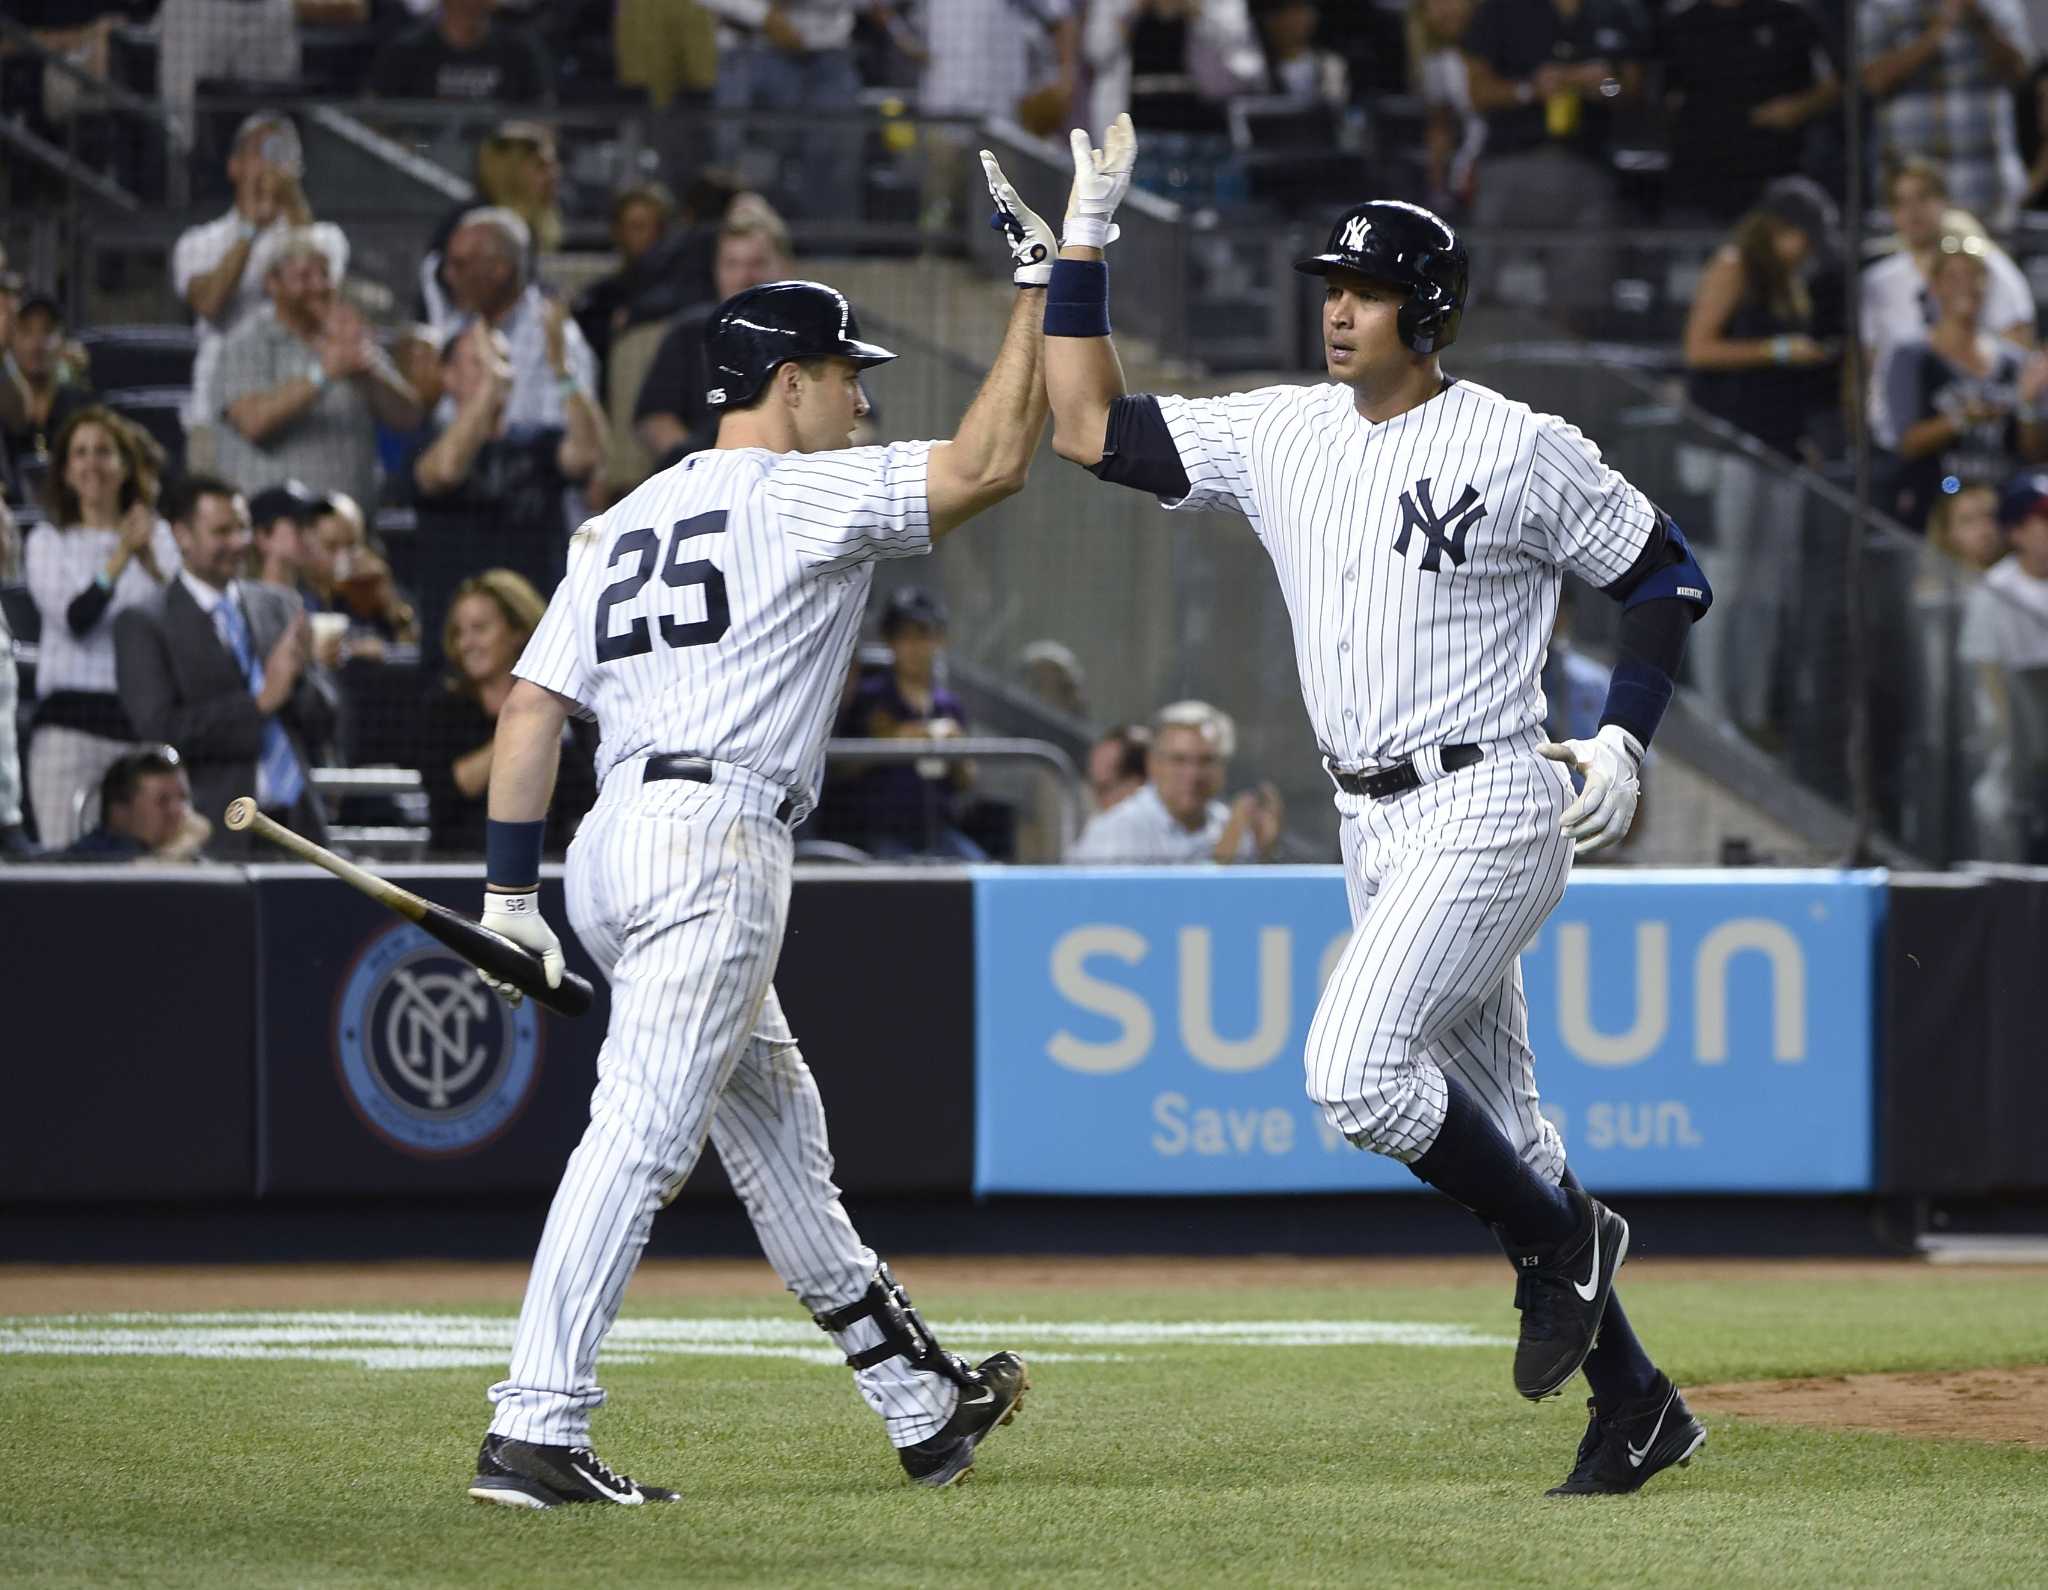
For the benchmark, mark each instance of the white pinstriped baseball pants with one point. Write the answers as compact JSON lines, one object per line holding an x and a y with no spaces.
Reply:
{"x":680,"y":892}
{"x":1447,"y":883}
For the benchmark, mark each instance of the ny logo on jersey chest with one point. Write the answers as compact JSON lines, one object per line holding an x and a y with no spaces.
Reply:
{"x":1441,"y":532}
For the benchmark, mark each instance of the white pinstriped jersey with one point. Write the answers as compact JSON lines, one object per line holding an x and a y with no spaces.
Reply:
{"x":1420,"y":558}
{"x":714,"y":611}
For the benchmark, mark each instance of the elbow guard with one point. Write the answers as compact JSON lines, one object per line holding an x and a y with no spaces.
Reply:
{"x":1666,"y":569}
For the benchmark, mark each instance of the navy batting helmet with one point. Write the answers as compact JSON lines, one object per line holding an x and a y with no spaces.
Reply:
{"x":755,"y":331}
{"x":1412,"y":248}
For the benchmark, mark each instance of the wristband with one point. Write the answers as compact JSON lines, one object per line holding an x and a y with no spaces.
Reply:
{"x":1077,"y":299}
{"x":1781,"y":350}
{"x":566,"y":385}
{"x":512,"y":853}
{"x":245,"y":231}
{"x":103,"y":579}
{"x":316,"y":372}
{"x":1086,"y":231}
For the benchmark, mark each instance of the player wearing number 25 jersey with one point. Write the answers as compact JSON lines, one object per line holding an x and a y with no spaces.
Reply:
{"x":707,"y":622}
{"x":1420,"y":527}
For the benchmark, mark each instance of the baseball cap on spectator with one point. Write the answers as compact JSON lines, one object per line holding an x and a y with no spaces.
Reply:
{"x":2025,"y":494}
{"x":912,"y":604}
{"x":287,"y":500}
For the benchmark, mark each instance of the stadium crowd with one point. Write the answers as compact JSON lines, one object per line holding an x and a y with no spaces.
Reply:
{"x":216,"y":595}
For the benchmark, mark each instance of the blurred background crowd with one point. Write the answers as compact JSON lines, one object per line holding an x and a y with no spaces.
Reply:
{"x":326,"y":321}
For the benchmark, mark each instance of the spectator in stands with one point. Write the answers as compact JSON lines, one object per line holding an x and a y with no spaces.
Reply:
{"x":286,"y":552}
{"x":1015,"y":58}
{"x":41,"y":388}
{"x":1964,"y":525}
{"x":248,"y":41}
{"x":1942,"y":72}
{"x":793,"y":56}
{"x":491,"y":493}
{"x":1297,"y":67}
{"x":1960,"y":403}
{"x":1897,"y":302}
{"x":910,"y":808}
{"x":1052,"y":673}
{"x":462,"y":56}
{"x":1178,"y":816}
{"x":1170,"y":63}
{"x":667,"y":47}
{"x":671,"y":416}
{"x":350,"y":575}
{"x":489,"y":272}
{"x":2005,"y":637}
{"x":1546,"y":75}
{"x":220,"y":668}
{"x":641,"y":217}
{"x":103,"y":552}
{"x":1742,"y":79}
{"x":219,"y":267}
{"x":15,"y":844}
{"x":489,"y":622}
{"x":1116,"y":765}
{"x":303,"y":386}
{"x":1454,"y":132}
{"x":518,"y":168}
{"x":145,"y":813}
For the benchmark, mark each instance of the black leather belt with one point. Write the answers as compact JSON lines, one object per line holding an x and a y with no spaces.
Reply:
{"x":1402,"y":777}
{"x":695,"y":770}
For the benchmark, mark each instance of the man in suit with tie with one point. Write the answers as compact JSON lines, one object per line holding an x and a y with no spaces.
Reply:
{"x":218,"y":667}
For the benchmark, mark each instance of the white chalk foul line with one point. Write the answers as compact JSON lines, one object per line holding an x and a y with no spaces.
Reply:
{"x":443,"y":1341}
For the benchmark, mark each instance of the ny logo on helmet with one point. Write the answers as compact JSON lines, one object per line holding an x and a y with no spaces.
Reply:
{"x":1355,"y":231}
{"x":1419,"y":513}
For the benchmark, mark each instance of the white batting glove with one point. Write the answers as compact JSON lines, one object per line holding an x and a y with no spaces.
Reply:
{"x":1608,"y":764}
{"x":1032,"y":245}
{"x":517,"y":917}
{"x":1101,"y":179}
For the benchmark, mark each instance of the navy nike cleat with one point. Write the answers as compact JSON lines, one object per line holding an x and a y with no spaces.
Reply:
{"x":1621,"y":1451}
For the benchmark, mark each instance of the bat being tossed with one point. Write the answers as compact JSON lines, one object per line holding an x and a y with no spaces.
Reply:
{"x":486,"y":951}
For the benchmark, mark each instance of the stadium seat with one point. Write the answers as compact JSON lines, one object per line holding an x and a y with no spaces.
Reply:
{"x":140,"y":356}
{"x":158,"y":410}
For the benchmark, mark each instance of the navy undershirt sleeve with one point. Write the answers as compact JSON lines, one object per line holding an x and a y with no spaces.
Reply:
{"x":1138,"y":450}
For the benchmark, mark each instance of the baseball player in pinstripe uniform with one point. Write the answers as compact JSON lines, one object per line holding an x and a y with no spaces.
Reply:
{"x":707,"y":621}
{"x":1420,"y":527}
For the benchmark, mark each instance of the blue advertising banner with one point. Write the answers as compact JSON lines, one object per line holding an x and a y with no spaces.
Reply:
{"x":1141,"y":1031}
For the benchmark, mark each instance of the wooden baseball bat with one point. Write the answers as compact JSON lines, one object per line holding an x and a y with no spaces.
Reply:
{"x":475,"y":943}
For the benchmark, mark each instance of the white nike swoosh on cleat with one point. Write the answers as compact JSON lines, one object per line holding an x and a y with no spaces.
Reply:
{"x":975,"y":1401}
{"x":630,"y":1497}
{"x":1635,"y":1457}
{"x":1593,"y":1275}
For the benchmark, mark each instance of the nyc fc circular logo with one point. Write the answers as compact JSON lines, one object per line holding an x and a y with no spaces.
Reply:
{"x":434,"y":1062}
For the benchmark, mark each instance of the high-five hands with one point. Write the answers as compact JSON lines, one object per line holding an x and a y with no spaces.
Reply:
{"x":1608,"y":764}
{"x":1101,"y":179}
{"x":1032,"y":245}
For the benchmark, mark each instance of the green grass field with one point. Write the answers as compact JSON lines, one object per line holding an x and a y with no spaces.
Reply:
{"x":1141,"y":1457}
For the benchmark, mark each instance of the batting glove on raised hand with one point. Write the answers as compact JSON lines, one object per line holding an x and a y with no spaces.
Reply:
{"x":1607,"y":801}
{"x":1032,"y":245}
{"x":1101,"y":179}
{"x":517,"y":917}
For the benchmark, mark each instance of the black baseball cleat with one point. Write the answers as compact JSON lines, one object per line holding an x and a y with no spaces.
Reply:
{"x":1622,"y":1450}
{"x":993,"y":1395}
{"x":513,"y":1473}
{"x":1562,"y":1292}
